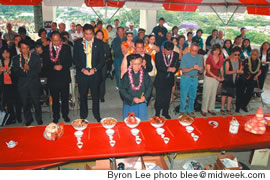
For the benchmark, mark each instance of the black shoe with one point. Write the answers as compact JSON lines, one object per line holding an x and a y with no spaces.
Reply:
{"x":167,"y":116}
{"x":55,"y":121}
{"x":237,"y":110}
{"x":98,"y":119}
{"x":66,"y":119}
{"x":244,"y":109}
{"x":40,"y":122}
{"x":28,"y":123}
{"x":102,"y":100}
{"x":19,"y":120}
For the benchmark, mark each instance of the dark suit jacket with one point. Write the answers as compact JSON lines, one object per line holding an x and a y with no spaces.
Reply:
{"x":28,"y":79}
{"x":79,"y":57}
{"x":58,"y":79}
{"x":165,"y":78}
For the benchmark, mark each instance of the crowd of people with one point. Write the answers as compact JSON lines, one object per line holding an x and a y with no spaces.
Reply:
{"x":88,"y":54}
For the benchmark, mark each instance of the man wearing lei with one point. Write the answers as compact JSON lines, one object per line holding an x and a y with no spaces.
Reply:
{"x":135,"y":88}
{"x":248,"y":80}
{"x":57,"y":65}
{"x":89,"y":59}
{"x":26,"y":68}
{"x":167,"y":64}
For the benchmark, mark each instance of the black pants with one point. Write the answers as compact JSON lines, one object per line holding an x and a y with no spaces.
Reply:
{"x":84,"y":84}
{"x":58,"y":93}
{"x":11,"y":99}
{"x":263,"y":75}
{"x":244,"y":92}
{"x":29,"y":96}
{"x":163,"y":97}
{"x":102,"y":84}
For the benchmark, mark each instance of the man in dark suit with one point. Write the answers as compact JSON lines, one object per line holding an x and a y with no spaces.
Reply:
{"x":89,"y":59}
{"x":57,"y":65}
{"x":27,"y":67}
{"x":167,"y":64}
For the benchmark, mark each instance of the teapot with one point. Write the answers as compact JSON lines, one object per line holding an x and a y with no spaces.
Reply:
{"x":11,"y":144}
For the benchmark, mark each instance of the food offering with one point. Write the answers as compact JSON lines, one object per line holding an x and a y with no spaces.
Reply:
{"x":53,"y":131}
{"x":108,"y":122}
{"x":132,"y":121}
{"x":80,"y":124}
{"x":257,"y":124}
{"x":157,"y":121}
{"x":185,"y":120}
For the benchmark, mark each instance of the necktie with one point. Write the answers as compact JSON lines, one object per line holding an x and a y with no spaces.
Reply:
{"x":89,"y":54}
{"x":168,"y":59}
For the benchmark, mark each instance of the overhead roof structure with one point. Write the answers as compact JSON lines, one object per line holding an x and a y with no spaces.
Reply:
{"x":259,"y":7}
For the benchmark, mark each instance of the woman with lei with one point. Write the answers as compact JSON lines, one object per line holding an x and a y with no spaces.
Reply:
{"x":8,"y":82}
{"x":135,"y":88}
{"x":152,"y":49}
{"x":248,"y":81}
{"x":128,"y":45}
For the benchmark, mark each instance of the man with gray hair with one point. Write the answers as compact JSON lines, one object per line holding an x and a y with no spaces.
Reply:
{"x":191,"y":65}
{"x":9,"y":36}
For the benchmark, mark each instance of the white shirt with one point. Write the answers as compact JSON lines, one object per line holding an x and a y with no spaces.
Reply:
{"x":76,"y":35}
{"x":18,"y":50}
{"x":263,"y":59}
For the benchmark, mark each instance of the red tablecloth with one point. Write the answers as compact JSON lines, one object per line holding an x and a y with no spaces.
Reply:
{"x":33,"y":150}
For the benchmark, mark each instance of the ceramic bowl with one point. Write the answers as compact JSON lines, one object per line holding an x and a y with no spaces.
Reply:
{"x":110,"y":132}
{"x":108,"y":122}
{"x":79,"y":124}
{"x":132,"y":125}
{"x":160,"y":131}
{"x":135,"y":132}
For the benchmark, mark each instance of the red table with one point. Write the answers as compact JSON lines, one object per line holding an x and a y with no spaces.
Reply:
{"x":34,"y":151}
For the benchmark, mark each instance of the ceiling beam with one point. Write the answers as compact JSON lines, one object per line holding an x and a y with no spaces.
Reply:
{"x":227,"y":4}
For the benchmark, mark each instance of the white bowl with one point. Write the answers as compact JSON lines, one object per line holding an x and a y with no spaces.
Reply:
{"x":157,"y":125}
{"x":185,"y":123}
{"x":78,"y":134}
{"x":109,"y":132}
{"x":133,"y":125}
{"x":160,"y":131}
{"x":108,"y":126}
{"x":135,"y":132}
{"x":189,"y":129}
{"x":80,"y":128}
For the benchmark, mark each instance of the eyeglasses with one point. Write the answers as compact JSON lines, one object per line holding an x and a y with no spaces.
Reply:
{"x":236,"y":54}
